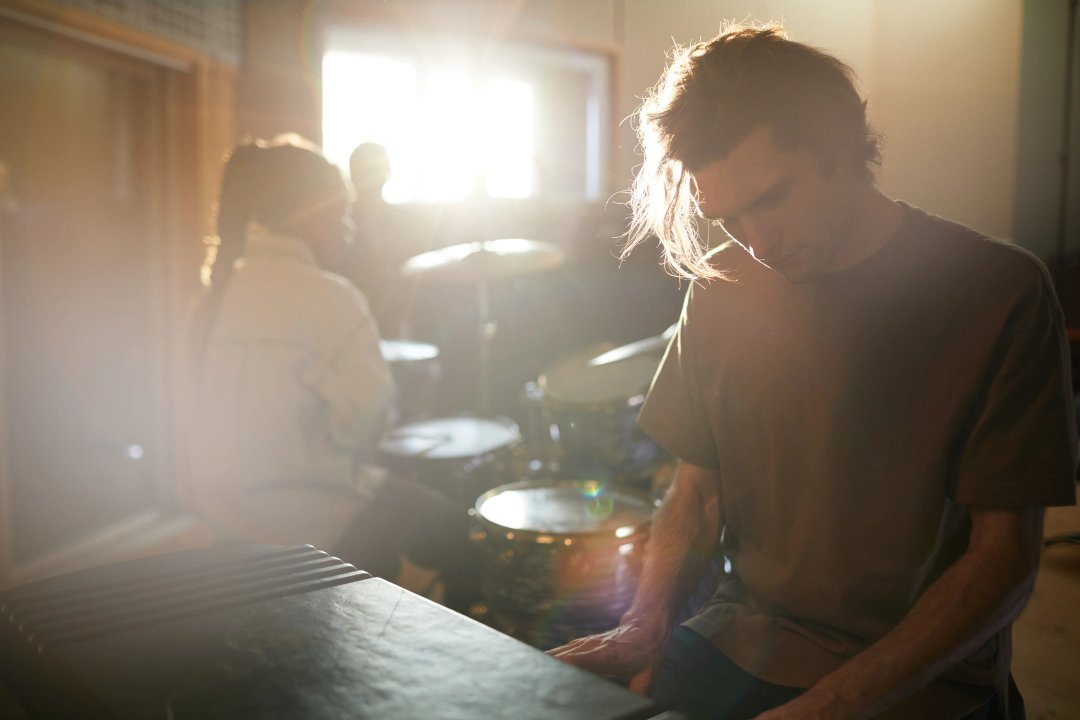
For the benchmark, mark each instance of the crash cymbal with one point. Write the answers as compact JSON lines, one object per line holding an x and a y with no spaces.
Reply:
{"x":407,"y":351}
{"x":653,"y":344}
{"x":476,"y":261}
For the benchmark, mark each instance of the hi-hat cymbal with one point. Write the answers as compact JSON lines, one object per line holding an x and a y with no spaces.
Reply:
{"x":485,"y":260}
{"x":654,"y":344}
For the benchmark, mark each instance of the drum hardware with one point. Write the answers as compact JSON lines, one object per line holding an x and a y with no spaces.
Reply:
{"x":562,"y":557}
{"x":655,"y":344}
{"x":481,"y":263}
{"x":416,"y":370}
{"x":539,"y":435}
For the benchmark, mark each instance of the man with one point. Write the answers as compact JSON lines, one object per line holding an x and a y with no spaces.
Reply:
{"x":871,"y":406}
{"x":379,"y":248}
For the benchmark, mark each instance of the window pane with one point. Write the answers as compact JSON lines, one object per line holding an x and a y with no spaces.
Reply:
{"x":448,"y":140}
{"x":509,"y":139}
{"x":371,"y":98}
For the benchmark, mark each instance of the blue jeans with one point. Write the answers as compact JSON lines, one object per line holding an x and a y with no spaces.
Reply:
{"x":698,"y":680}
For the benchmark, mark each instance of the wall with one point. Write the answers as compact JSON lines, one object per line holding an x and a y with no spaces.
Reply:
{"x":1038,"y":171}
{"x":278,"y":85}
{"x":945,"y":84}
{"x":212,"y":27}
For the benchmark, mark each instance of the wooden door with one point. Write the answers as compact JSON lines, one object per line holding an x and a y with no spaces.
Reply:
{"x":84,"y":282}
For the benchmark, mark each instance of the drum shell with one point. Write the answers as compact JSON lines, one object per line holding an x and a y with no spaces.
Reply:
{"x":546,"y":588}
{"x":416,"y":370}
{"x":602,"y":439}
{"x":597,"y":435}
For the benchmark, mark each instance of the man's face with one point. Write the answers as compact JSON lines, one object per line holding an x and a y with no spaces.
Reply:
{"x":780,"y":206}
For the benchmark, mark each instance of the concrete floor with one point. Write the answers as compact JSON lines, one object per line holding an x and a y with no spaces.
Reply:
{"x":1046,"y":638}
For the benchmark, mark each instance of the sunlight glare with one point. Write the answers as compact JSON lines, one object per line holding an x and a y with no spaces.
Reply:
{"x":372,"y":98}
{"x":448,"y":143}
{"x":447,"y":135}
{"x":509,"y":141}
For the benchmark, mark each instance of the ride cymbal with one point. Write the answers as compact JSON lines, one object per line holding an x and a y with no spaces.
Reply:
{"x":487,"y":260}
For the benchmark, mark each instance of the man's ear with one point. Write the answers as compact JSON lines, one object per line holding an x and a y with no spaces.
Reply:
{"x":831,"y":159}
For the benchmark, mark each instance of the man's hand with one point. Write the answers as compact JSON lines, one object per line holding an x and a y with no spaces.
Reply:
{"x":683,"y":537}
{"x":629,"y":652}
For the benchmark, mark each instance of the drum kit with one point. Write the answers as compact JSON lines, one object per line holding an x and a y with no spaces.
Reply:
{"x":561,"y":511}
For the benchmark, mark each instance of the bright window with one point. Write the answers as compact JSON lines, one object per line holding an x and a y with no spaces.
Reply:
{"x":455,"y":127}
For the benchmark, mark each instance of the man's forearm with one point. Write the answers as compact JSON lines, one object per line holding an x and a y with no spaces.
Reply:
{"x":982,"y":592}
{"x":681,"y":542}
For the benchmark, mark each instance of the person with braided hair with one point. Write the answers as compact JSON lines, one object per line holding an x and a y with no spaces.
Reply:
{"x":291,"y":392}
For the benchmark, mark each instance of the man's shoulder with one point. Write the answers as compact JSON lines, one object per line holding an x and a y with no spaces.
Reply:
{"x":952,"y":246}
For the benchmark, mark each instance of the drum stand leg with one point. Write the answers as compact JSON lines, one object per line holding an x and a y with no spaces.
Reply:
{"x":488,"y":328}
{"x":1072,"y":538}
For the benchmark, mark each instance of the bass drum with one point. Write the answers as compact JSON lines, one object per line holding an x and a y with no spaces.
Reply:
{"x":562,"y":557}
{"x":592,"y":414}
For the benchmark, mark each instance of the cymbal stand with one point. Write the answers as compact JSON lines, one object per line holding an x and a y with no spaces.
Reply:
{"x":488,"y":327}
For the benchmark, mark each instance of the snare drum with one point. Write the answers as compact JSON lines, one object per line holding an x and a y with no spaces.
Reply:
{"x":460,"y":456}
{"x":416,"y":370}
{"x":562,"y":557}
{"x":593,"y":413}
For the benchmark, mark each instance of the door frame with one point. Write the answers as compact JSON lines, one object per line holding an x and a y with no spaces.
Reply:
{"x":196,"y":110}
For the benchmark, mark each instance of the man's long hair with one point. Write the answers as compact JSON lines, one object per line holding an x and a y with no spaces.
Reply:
{"x":710,"y":98}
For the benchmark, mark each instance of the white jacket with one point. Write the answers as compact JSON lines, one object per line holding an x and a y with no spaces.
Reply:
{"x":289,"y":399}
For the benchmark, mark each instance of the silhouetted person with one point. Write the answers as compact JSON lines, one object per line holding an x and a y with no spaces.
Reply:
{"x":369,"y":169}
{"x":376,"y":256}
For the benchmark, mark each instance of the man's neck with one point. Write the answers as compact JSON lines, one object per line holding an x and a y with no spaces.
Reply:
{"x":875,"y":220}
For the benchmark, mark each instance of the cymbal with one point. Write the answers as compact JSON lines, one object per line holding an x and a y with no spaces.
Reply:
{"x":657,"y":343}
{"x":406,"y":351}
{"x":487,"y":260}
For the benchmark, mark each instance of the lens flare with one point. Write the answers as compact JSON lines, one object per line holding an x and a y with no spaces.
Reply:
{"x":600,"y":508}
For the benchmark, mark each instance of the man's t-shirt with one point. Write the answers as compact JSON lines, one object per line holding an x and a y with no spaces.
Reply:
{"x":852,"y":418}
